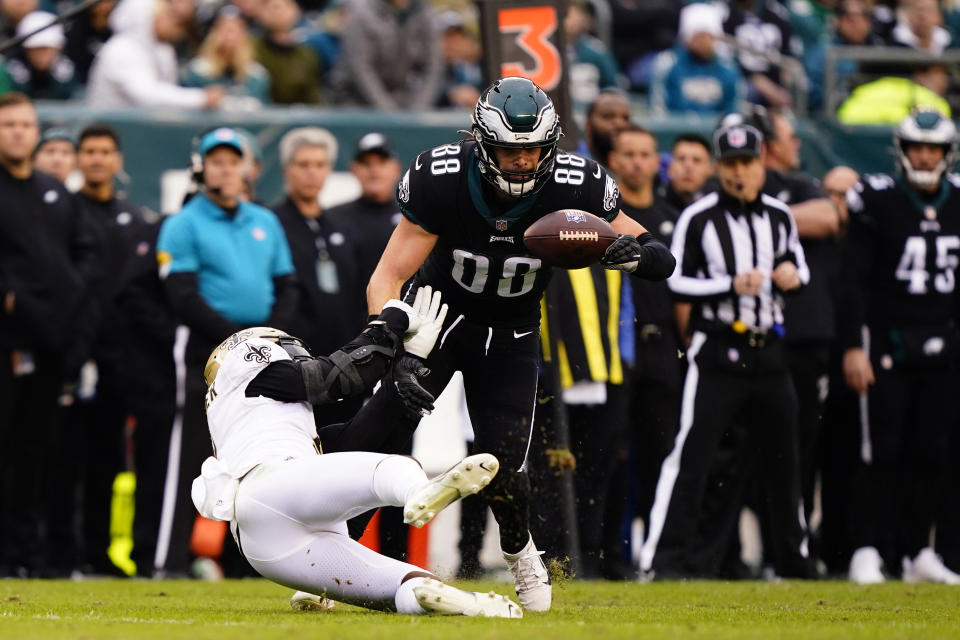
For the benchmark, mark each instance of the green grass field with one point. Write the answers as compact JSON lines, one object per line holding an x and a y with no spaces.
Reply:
{"x":257,"y":609}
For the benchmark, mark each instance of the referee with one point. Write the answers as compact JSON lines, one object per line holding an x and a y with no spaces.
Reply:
{"x":737,"y":251}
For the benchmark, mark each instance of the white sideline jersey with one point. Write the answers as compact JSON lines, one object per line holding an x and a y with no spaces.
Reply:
{"x":248,"y":431}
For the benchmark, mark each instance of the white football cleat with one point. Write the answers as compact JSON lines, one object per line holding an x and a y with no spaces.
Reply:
{"x":303,"y":601}
{"x":437,"y":597}
{"x":463,"y":479}
{"x":530,"y":578}
{"x":928,"y":567}
{"x":865,"y":566}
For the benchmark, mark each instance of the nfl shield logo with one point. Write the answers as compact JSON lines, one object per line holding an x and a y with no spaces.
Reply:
{"x":575,"y":216}
{"x":501,"y":225}
{"x":737,"y":138}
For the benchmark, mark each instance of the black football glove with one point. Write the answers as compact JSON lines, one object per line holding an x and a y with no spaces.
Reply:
{"x":623,"y":254}
{"x":407,"y":370}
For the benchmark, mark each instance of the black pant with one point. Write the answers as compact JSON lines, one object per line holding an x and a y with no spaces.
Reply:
{"x":838,"y":456}
{"x":7,"y":395}
{"x":655,"y":384}
{"x":553,"y":518}
{"x":194,"y":449}
{"x":102,"y":423}
{"x":28,"y":476}
{"x":192,"y":440}
{"x":911,"y":415}
{"x":731,"y":482}
{"x":500,"y":381}
{"x":64,"y":489}
{"x":809,"y":364}
{"x":595,"y":433}
{"x":473,"y":525}
{"x":728,"y":383}
{"x":151,"y":444}
{"x":948,"y":520}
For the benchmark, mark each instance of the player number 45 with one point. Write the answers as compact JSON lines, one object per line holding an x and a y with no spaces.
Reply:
{"x":912,"y":268}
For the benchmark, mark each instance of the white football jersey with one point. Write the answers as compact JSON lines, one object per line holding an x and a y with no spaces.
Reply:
{"x":247,"y":431}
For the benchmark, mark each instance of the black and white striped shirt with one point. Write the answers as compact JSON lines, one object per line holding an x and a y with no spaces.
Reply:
{"x":717,"y":238}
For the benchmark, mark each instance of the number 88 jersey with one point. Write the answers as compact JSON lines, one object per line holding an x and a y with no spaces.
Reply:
{"x":480,"y":262}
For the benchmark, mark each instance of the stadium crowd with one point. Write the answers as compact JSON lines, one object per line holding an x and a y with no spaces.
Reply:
{"x":103,"y":354}
{"x":676,"y":57}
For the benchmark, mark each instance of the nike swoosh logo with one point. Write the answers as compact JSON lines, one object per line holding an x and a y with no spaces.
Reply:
{"x":520,"y":335}
{"x":597,"y":174}
{"x":417,"y":165}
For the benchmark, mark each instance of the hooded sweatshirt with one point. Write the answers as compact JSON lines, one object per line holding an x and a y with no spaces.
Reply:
{"x":134,"y":68}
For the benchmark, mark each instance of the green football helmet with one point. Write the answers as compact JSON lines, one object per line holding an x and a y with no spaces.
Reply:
{"x":514,"y":112}
{"x":925,"y":125}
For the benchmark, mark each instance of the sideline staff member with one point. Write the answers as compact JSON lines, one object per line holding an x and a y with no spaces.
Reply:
{"x":226,"y":266}
{"x":48,"y":264}
{"x":655,"y":377}
{"x":737,"y":251}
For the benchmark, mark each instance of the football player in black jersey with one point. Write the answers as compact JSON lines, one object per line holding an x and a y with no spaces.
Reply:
{"x":899,"y":332}
{"x":466,"y":206}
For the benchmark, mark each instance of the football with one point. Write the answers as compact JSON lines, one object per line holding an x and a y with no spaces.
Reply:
{"x":569,"y":238}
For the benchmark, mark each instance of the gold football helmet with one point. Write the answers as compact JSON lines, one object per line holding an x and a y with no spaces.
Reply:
{"x":293,"y":346}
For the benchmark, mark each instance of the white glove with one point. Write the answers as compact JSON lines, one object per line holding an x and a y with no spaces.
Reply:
{"x":414,"y":315}
{"x":425,"y":328}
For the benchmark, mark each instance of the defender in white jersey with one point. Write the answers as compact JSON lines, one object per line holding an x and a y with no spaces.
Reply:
{"x":287,"y":505}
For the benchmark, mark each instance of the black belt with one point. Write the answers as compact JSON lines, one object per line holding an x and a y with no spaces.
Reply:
{"x":755,"y":338}
{"x":758,"y":339}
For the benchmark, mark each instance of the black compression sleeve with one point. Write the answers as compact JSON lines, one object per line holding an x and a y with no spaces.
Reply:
{"x":281,"y":380}
{"x":656,"y":261}
{"x":311,"y":380}
{"x":357,"y":366}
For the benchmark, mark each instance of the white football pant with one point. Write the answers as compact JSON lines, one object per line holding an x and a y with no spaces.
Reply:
{"x":292,"y":515}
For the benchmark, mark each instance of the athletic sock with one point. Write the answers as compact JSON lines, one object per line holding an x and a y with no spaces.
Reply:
{"x":406,"y":599}
{"x":395,"y":478}
{"x":517,"y":554}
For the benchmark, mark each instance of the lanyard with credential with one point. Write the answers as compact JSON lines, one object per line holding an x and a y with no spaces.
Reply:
{"x":327,"y":279}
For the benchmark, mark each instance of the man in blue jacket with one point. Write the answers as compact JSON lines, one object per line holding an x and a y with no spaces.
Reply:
{"x":226,"y":265}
